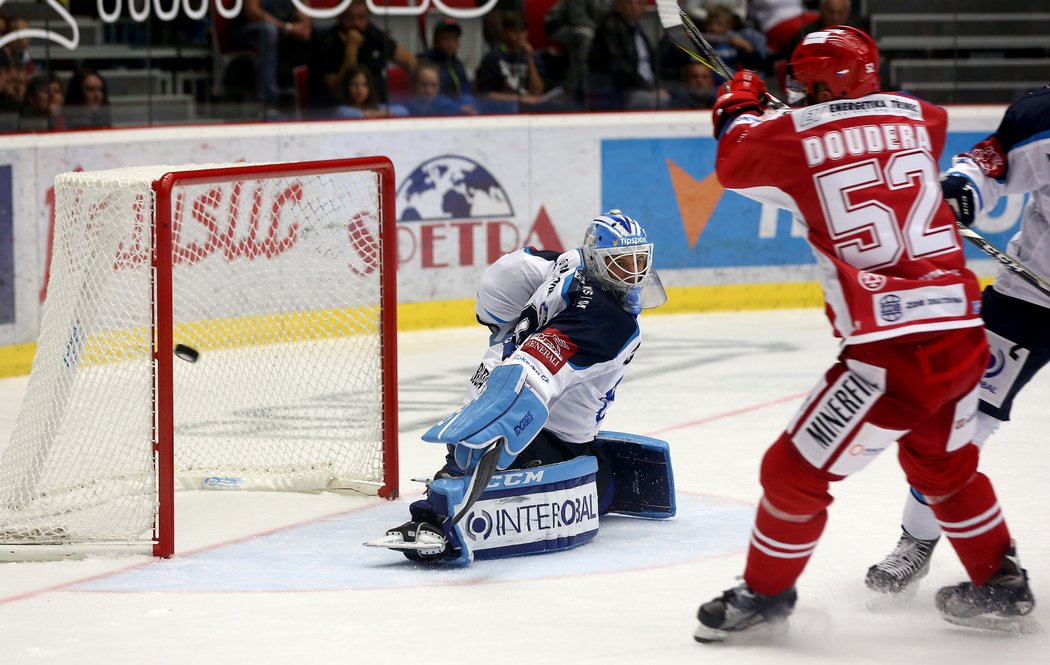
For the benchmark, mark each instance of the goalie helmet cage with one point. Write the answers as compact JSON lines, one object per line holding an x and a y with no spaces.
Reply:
{"x":282,"y":278}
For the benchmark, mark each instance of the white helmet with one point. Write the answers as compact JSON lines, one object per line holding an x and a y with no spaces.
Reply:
{"x":617,"y":252}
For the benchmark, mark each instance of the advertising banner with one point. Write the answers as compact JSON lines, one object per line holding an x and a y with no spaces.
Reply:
{"x":467,"y":190}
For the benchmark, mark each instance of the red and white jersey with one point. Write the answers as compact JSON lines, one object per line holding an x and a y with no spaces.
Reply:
{"x":861,"y":175}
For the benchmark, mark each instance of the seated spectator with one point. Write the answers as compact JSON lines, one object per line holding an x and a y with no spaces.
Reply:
{"x":621,"y":61}
{"x":832,"y":12}
{"x":18,"y":50}
{"x":279,"y":33}
{"x":87,"y":101}
{"x":733,"y":47}
{"x":455,"y":83}
{"x":508,"y":77}
{"x":779,"y":21}
{"x":427,"y":99}
{"x":352,"y":40}
{"x":9,"y":104}
{"x":36,"y":111}
{"x":570,"y":24}
{"x":697,"y":89}
{"x":58,"y":94}
{"x":360,"y":99}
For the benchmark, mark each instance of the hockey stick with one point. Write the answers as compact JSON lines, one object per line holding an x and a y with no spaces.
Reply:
{"x":483,"y":473}
{"x":1007,"y":261}
{"x":687,"y":37}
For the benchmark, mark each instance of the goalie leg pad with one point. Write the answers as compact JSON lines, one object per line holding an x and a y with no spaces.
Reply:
{"x":642,"y":476}
{"x":1017,"y":340}
{"x":522,"y":511}
{"x":506,"y":409}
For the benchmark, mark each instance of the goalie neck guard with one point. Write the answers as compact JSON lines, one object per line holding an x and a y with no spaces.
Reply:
{"x":841,"y":57}
{"x":618,"y":254}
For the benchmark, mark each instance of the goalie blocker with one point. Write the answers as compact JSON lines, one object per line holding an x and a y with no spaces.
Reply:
{"x":546,"y":508}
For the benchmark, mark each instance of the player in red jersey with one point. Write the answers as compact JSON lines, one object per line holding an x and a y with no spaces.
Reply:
{"x":858,"y":167}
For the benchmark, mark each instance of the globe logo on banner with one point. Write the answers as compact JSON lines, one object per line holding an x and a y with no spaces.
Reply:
{"x":451,"y":187}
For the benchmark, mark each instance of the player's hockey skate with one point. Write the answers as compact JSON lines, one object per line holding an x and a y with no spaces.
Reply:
{"x":740,"y":609}
{"x":907,"y":563}
{"x":418,"y":541}
{"x":1001,"y":603}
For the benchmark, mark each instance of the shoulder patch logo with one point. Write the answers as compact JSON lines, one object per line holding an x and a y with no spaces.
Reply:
{"x":551,"y":347}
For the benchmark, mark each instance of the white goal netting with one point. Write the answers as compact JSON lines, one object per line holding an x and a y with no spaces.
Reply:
{"x":276,"y":283}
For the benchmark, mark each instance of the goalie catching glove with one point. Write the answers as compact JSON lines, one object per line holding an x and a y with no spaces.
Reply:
{"x":744,"y":93}
{"x":959,"y":193}
{"x":506,"y":411}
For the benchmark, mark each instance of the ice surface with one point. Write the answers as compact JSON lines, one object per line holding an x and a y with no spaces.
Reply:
{"x":267,"y":578}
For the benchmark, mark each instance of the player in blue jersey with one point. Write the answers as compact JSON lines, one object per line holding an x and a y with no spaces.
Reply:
{"x":1013,"y":160}
{"x":564,"y":328}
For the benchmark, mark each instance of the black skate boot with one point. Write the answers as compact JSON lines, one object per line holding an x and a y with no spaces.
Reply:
{"x":740,"y":609}
{"x":1001,"y":603}
{"x":907,"y":563}
{"x":418,"y":541}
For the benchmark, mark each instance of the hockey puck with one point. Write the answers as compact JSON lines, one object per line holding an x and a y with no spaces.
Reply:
{"x":187,"y":353}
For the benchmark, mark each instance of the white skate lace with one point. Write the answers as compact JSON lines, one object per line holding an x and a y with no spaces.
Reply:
{"x":910,"y":555}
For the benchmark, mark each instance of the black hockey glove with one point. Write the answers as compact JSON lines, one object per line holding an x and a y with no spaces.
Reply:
{"x":959,"y":193}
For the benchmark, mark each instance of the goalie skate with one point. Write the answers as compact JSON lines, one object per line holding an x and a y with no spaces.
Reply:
{"x":419,"y":541}
{"x":907,"y":563}
{"x":1001,"y":603}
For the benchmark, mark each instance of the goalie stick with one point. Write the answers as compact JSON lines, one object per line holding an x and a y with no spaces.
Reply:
{"x":483,"y":473}
{"x":1007,"y":261}
{"x":687,"y":37}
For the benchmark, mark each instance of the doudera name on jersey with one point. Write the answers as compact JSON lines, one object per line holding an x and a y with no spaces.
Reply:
{"x":865,"y":140}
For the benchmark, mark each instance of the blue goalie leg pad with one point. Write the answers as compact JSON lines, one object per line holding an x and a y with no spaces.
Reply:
{"x":522,"y":511}
{"x":642,"y":474}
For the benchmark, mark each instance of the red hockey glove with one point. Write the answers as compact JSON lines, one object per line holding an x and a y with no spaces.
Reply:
{"x":745,"y":93}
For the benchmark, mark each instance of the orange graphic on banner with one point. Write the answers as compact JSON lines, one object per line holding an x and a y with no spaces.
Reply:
{"x":696,"y":200}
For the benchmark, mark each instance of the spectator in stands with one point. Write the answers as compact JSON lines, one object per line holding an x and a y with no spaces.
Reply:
{"x":279,"y":33}
{"x":427,"y":99}
{"x":737,"y":50}
{"x":58,"y":93}
{"x":832,"y":12}
{"x":697,"y":89}
{"x":491,"y":26}
{"x":780,"y":21}
{"x":87,"y":100}
{"x":509,"y":79}
{"x":9,"y":105}
{"x":360,"y":99}
{"x":621,"y":61}
{"x":18,"y":50}
{"x":455,"y":84}
{"x":570,"y":24}
{"x":353,"y":40}
{"x":6,"y":77}
{"x":18,"y":80}
{"x":37,"y":112}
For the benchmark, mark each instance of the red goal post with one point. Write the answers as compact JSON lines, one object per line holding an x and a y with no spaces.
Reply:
{"x":282,"y":277}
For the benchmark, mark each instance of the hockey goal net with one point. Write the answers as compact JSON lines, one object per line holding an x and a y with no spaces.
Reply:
{"x":280,"y":278}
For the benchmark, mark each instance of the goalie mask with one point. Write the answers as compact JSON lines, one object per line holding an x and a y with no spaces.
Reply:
{"x":841,"y":57}
{"x":618,"y":254}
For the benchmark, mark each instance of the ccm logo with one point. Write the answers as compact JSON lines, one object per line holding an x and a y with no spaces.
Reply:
{"x":515,"y":479}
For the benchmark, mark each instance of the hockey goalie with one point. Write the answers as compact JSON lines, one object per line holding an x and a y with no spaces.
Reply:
{"x":527,"y":469}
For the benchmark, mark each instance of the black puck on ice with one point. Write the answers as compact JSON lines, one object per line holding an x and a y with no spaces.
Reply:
{"x":187,"y":353}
